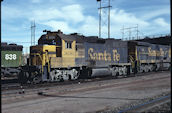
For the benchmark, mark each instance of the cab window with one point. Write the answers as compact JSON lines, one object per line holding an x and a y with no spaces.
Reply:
{"x":68,"y":45}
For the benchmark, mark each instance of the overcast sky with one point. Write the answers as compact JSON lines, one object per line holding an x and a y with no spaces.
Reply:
{"x":81,"y":16}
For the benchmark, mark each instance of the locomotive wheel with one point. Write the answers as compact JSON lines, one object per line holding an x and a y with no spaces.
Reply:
{"x":69,"y":77}
{"x":23,"y":77}
{"x":36,"y":80}
{"x":2,"y":74}
{"x":115,"y":77}
{"x":169,"y":68}
{"x":27,"y":77}
{"x":61,"y":79}
{"x":89,"y":74}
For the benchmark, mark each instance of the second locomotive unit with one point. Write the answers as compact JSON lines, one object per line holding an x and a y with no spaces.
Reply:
{"x":60,"y":57}
{"x":11,"y":60}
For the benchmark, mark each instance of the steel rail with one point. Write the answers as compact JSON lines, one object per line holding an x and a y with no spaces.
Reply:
{"x":6,"y":87}
{"x":140,"y":107}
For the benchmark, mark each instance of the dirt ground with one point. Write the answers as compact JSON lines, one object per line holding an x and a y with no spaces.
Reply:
{"x":92,"y":97}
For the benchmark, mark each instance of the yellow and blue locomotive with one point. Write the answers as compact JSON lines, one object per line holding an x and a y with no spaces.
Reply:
{"x":68,"y":57}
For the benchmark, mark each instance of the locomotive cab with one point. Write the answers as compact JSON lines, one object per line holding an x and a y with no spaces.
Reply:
{"x":55,"y":52}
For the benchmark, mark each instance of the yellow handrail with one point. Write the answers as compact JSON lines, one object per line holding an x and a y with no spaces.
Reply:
{"x":39,"y":57}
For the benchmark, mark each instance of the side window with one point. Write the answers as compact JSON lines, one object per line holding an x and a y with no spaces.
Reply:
{"x":68,"y":45}
{"x":76,"y":47}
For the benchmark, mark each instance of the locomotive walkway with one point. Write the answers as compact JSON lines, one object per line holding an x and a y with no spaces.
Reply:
{"x":91,"y":97}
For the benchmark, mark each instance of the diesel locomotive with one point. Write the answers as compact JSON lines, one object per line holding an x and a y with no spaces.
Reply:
{"x":59,"y":57}
{"x":11,"y":59}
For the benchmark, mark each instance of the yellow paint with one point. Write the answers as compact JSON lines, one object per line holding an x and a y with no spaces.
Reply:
{"x":152,"y":61}
{"x":67,"y":59}
{"x":116,"y":55}
{"x":58,"y":62}
{"x":132,"y":61}
{"x":42,"y":57}
{"x":100,"y":55}
{"x":35,"y":57}
{"x":151,"y":52}
{"x":37,"y":60}
{"x":169,"y":53}
{"x":131,"y":58}
{"x":103,"y":55}
{"x":68,"y":54}
{"x":136,"y":53}
{"x":108,"y":57}
{"x":46,"y":56}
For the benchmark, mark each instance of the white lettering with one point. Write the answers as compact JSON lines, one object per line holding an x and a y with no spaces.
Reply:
{"x":10,"y":56}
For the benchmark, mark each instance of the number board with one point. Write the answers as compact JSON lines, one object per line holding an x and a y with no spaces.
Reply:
{"x":10,"y":56}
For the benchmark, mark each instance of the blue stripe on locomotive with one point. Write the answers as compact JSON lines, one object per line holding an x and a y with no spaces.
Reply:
{"x":99,"y":54}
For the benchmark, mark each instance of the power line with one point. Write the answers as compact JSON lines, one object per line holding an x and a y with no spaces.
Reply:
{"x":21,"y":42}
{"x":15,"y":41}
{"x":129,"y":30}
{"x":100,"y":16}
{"x":33,"y":32}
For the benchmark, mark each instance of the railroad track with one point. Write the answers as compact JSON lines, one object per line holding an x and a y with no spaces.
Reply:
{"x":18,"y":86}
{"x":49,"y":91}
{"x":148,"y":106}
{"x":9,"y":80}
{"x":15,"y":85}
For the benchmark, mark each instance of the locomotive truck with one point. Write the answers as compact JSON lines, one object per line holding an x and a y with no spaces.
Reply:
{"x":59,"y":57}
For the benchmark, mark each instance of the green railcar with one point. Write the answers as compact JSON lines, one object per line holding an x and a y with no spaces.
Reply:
{"x":11,"y":58}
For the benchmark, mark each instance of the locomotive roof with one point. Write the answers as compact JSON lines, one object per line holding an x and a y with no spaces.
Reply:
{"x":11,"y":44}
{"x":163,"y":40}
{"x":15,"y":47}
{"x":74,"y":36}
{"x":142,"y":43}
{"x":71,"y":37}
{"x":67,"y":37}
{"x":3,"y":43}
{"x":82,"y":39}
